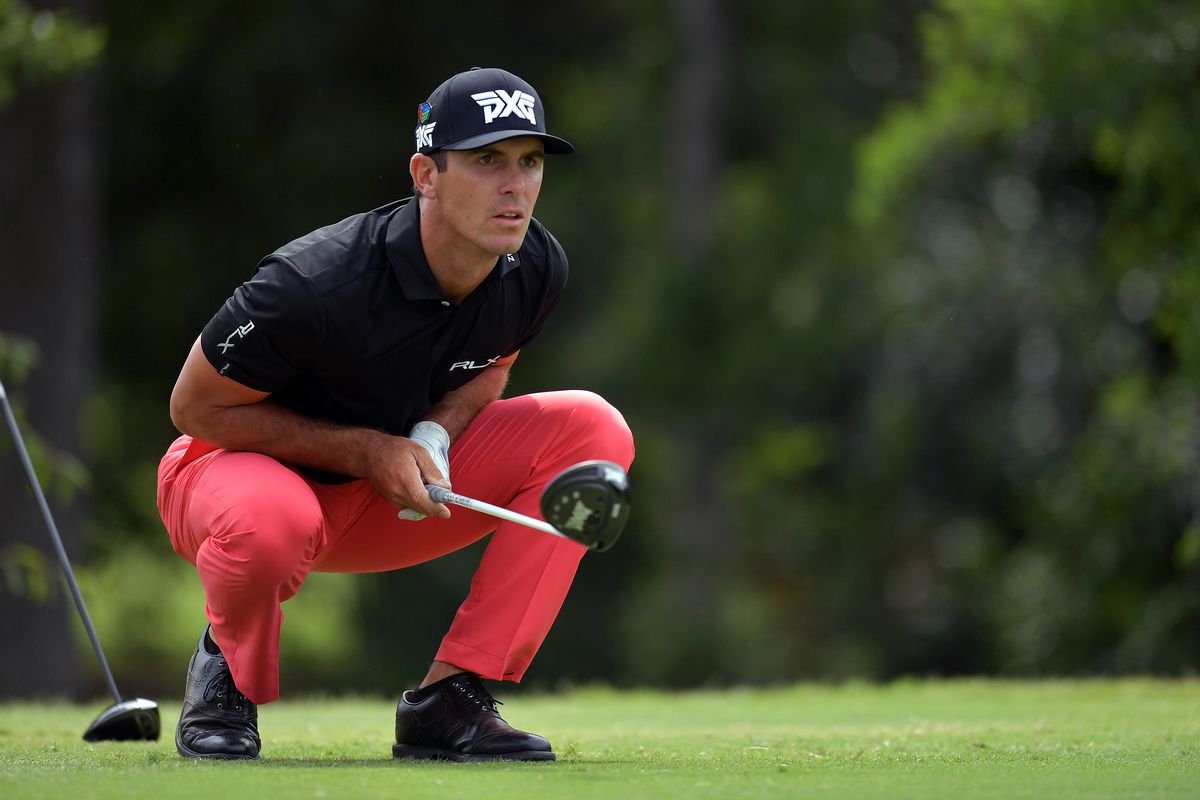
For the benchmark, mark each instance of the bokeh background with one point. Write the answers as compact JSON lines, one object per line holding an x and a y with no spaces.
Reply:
{"x":898,"y":296}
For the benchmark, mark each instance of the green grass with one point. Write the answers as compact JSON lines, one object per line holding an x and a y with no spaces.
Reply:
{"x":919,"y":739}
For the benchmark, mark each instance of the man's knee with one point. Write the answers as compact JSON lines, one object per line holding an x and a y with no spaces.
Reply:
{"x":596,"y":426}
{"x":268,"y":537}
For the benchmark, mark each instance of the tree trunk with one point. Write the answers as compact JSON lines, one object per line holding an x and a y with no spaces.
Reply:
{"x":697,"y":100}
{"x":695,"y":171}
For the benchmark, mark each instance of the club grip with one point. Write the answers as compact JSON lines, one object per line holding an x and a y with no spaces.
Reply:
{"x":439,"y":494}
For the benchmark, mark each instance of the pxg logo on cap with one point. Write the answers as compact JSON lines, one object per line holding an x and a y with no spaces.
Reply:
{"x":481,"y":106}
{"x":500,"y":104}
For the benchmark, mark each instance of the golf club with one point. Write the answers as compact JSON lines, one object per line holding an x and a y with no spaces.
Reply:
{"x":586,"y":503}
{"x":126,"y":719}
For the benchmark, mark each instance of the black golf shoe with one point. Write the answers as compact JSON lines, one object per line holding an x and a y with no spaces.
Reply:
{"x":456,"y":719}
{"x":217,"y":720}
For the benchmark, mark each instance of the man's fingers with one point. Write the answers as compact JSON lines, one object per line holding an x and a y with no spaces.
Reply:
{"x":429,"y":469}
{"x":418,"y":495}
{"x":401,"y":474}
{"x":411,"y":514}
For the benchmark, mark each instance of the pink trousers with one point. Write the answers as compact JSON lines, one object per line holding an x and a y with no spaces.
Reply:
{"x":254,"y":528}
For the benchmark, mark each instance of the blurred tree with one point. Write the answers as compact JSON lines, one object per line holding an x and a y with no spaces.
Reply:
{"x":50,"y":227}
{"x":1038,"y":203}
{"x":728,"y":318}
{"x":41,"y":45}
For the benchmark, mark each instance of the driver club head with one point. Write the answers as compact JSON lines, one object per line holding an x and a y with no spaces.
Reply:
{"x":589,"y":502}
{"x":129,"y":720}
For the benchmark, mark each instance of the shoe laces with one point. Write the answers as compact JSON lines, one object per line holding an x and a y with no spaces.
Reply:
{"x":471,"y":690}
{"x":222,"y":691}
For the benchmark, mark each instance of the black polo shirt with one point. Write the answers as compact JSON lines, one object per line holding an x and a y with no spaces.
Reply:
{"x":348,"y":324}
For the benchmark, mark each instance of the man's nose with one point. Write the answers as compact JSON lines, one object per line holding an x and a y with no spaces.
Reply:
{"x":516,"y":180}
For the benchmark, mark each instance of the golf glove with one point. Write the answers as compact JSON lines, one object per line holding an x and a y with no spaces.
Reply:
{"x":432,"y":437}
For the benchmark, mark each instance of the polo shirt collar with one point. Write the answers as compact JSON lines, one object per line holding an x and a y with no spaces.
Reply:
{"x":407,"y":255}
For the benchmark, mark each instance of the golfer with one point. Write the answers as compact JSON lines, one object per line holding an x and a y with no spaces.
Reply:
{"x":357,"y":364}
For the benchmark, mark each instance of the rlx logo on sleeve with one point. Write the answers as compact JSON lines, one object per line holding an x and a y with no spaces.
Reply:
{"x":474,"y":364}
{"x":239,"y":332}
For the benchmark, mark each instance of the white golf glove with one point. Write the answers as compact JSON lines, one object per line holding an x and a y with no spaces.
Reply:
{"x":432,"y":437}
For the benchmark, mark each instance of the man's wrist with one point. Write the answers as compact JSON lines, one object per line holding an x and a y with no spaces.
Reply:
{"x":436,"y":441}
{"x":364,"y":447}
{"x":431,"y":431}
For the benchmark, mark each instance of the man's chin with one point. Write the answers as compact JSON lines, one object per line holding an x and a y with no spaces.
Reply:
{"x":506,"y":245}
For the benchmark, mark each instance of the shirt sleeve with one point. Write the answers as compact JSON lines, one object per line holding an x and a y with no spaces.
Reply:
{"x":547,"y":295}
{"x":268,"y":331}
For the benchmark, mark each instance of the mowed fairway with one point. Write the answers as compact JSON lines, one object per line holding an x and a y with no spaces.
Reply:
{"x":956,"y":739}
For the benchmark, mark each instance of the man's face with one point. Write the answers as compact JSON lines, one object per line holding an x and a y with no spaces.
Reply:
{"x":486,"y":196}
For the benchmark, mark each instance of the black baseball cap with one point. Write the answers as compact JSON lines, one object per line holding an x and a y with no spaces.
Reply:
{"x":481,"y":106}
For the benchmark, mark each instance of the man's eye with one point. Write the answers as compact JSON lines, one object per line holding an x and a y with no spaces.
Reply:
{"x":485,"y":159}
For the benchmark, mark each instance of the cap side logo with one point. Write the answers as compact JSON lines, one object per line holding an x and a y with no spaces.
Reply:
{"x":423,"y":112}
{"x":425,"y":135}
{"x":501,"y":104}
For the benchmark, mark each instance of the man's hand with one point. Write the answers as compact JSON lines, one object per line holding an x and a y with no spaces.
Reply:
{"x":451,"y":416}
{"x":436,"y":441}
{"x":395,"y":466}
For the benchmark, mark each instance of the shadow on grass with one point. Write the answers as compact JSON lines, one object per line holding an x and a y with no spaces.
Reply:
{"x":334,"y":762}
{"x":331,"y":762}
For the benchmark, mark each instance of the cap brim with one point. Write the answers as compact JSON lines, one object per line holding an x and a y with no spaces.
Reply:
{"x":554,"y":145}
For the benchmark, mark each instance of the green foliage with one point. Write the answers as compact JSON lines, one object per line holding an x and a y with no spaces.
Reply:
{"x":149,"y":611}
{"x":18,"y":355}
{"x":1043,"y":186}
{"x":40,"y":45}
{"x":62,"y":474}
{"x":26,"y":571}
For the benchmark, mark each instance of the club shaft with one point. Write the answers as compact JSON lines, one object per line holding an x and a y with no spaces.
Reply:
{"x":441,"y":495}
{"x":31,"y":476}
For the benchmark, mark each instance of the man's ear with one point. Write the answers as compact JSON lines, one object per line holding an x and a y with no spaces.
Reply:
{"x":424,"y":175}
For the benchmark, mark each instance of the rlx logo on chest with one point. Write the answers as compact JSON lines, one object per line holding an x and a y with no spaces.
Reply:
{"x":474,"y":364}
